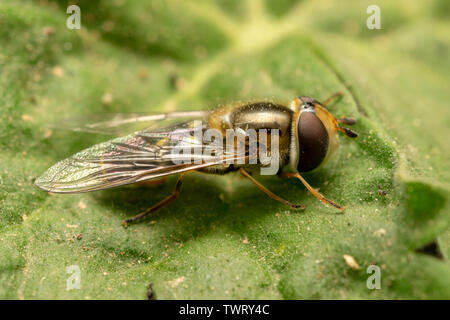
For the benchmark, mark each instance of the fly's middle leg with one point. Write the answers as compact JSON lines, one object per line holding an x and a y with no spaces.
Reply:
{"x":160,"y":204}
{"x":270,"y":193}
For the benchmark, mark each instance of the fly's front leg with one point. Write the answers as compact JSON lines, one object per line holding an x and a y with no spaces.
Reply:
{"x":268,"y":192}
{"x":160,"y":204}
{"x":347,"y":120}
{"x":314,"y":192}
{"x":333,"y":97}
{"x":344,"y":120}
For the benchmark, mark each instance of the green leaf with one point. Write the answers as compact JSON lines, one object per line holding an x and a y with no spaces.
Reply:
{"x":223,"y":238}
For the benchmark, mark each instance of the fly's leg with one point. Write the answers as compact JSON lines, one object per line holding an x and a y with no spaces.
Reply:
{"x":348,"y":132}
{"x":153,"y":182}
{"x":333,"y":97}
{"x":344,"y":120}
{"x":315,"y":193}
{"x":270,"y":193}
{"x":347,"y":120}
{"x":160,"y":204}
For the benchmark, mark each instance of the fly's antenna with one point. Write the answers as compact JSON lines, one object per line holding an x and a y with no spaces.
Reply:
{"x":345,"y":120}
{"x":348,"y":132}
{"x":348,"y":121}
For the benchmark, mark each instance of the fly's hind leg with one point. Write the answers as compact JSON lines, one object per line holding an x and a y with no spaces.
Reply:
{"x":160,"y":204}
{"x":152,"y":183}
{"x":268,"y":192}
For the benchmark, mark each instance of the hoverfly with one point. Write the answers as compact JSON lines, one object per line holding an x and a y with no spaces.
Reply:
{"x":307,"y":139}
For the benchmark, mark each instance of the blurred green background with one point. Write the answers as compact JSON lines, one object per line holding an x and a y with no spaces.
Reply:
{"x":223,"y":238}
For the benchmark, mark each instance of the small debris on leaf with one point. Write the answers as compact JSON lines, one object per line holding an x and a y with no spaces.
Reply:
{"x":143,"y":74}
{"x":27,"y":118}
{"x":151,"y":294}
{"x":380,"y":232}
{"x":107,"y":98}
{"x":174,"y":283}
{"x":81,"y":205}
{"x":351,"y":262}
{"x":48,"y":133}
{"x":48,"y":31}
{"x":58,"y":72}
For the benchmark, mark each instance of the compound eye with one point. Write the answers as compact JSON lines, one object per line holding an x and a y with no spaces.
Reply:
{"x":313,"y":141}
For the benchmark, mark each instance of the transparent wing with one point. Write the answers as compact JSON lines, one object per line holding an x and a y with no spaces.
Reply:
{"x":119,"y":123}
{"x":142,"y":156}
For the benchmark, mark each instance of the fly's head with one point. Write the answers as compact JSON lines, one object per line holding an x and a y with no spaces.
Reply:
{"x":314,"y":134}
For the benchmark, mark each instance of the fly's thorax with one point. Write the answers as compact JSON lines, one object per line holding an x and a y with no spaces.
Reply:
{"x":263,"y":115}
{"x":256,"y":116}
{"x":266,"y":116}
{"x":314,"y":135}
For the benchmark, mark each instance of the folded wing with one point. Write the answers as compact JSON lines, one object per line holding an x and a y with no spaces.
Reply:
{"x":145,"y":155}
